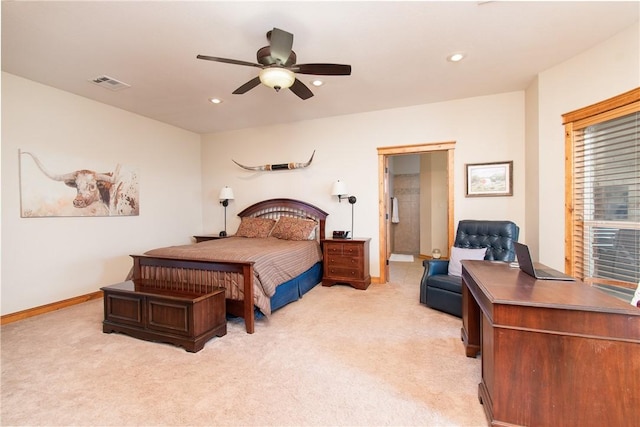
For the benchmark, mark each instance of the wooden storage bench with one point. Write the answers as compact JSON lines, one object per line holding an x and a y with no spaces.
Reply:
{"x":184,"y":317}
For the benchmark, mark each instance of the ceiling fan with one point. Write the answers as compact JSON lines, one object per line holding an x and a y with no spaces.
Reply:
{"x":278,"y":65}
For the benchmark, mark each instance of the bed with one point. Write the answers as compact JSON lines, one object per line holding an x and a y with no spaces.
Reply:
{"x":260,"y":271}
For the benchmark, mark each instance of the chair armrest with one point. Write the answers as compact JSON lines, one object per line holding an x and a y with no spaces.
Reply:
{"x":435,"y":266}
{"x":431,"y":268}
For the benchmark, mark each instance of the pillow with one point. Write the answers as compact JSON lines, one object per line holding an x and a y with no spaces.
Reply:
{"x":290,"y":228}
{"x":255,"y":227}
{"x":458,"y":254}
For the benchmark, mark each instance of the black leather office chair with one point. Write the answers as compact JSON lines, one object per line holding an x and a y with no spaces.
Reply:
{"x":443,"y":292}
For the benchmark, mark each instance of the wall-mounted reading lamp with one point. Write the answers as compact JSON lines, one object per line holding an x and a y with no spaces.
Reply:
{"x":340,"y":189}
{"x":226,"y":194}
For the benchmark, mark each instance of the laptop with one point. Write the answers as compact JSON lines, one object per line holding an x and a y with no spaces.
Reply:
{"x":526,"y":264}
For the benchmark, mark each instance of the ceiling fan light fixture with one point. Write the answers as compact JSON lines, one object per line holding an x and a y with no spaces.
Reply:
{"x":277,"y":63}
{"x":277,"y":78}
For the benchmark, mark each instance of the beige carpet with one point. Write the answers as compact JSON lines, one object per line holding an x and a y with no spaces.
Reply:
{"x":339,"y":356}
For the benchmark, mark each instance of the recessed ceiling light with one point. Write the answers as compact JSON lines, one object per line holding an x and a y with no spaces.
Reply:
{"x":456,"y":57}
{"x":317,"y":82}
{"x":215,"y":100}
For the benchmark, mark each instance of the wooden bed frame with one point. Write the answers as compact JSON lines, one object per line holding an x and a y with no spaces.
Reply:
{"x":180,"y":268}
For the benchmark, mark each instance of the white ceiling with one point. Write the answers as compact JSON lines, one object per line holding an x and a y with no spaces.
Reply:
{"x":397,"y":51}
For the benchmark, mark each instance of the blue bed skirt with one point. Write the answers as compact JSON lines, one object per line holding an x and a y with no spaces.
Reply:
{"x":295,"y":288}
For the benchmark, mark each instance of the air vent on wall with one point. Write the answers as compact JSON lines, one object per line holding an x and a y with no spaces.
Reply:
{"x":109,"y":83}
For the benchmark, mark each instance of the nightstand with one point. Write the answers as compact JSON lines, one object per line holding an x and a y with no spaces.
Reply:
{"x":204,"y":237}
{"x":346,"y":261}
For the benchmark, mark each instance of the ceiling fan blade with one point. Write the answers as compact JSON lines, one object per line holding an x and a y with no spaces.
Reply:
{"x":228,"y":61}
{"x":301,"y":90}
{"x":322,"y":69}
{"x":281,"y":44}
{"x":247,"y":86}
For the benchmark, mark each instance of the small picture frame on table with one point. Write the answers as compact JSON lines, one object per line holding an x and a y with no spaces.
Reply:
{"x":489,"y":179}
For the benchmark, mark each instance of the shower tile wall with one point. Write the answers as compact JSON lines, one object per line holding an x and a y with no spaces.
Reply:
{"x":405,"y":235}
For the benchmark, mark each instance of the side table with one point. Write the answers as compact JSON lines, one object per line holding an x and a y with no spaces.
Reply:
{"x":346,"y":261}
{"x":204,"y":237}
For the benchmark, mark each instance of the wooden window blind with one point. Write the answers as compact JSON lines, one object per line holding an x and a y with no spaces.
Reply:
{"x":603,"y":192}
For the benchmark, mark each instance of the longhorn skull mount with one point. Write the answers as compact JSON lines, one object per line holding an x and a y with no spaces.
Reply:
{"x":279,"y":166}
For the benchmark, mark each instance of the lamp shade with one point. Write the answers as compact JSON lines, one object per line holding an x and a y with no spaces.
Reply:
{"x":226,"y":194}
{"x":277,"y":78}
{"x":339,"y":189}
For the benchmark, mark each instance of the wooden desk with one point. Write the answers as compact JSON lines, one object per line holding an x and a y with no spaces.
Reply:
{"x":553,"y":353}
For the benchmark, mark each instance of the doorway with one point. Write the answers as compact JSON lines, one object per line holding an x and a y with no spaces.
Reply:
{"x":404,"y":195}
{"x":385,"y":201}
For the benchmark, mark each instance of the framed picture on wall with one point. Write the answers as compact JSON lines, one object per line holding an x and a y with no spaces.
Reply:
{"x":62,"y":189}
{"x":489,"y":179}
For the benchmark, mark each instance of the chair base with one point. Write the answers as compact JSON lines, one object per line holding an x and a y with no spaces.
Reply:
{"x":443,"y":300}
{"x":441,"y":291}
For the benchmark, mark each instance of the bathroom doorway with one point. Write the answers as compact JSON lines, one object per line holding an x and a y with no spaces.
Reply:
{"x":424,"y":200}
{"x":404,"y":192}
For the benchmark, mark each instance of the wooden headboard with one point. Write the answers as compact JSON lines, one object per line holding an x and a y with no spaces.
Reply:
{"x":275,"y":208}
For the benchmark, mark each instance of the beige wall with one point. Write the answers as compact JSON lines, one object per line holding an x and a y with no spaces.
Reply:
{"x":532,"y":174}
{"x":488,"y":128}
{"x":46,"y":260}
{"x":607,"y":70}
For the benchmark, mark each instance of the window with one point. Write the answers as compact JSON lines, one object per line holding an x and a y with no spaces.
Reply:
{"x":603,"y":193}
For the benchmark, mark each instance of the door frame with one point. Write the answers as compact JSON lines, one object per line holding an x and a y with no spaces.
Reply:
{"x":384,"y":216}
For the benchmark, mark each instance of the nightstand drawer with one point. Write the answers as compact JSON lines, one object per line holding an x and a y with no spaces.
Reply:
{"x":345,"y":272}
{"x":344,"y":249}
{"x":333,"y":249}
{"x":344,"y":261}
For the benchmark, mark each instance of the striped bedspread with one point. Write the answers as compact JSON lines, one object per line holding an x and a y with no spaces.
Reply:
{"x":275,"y":260}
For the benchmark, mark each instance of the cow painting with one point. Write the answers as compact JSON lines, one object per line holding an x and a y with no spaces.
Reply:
{"x":89,"y":193}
